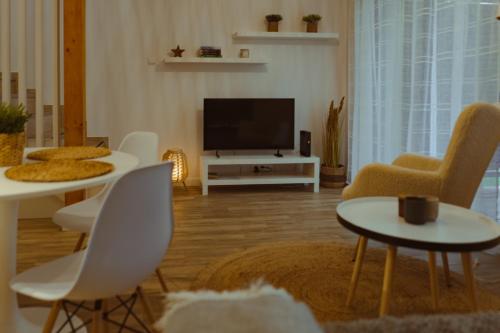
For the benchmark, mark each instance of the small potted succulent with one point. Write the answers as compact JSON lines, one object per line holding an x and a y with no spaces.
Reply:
{"x":312,"y":22}
{"x":273,"y":22}
{"x":12,"y":139}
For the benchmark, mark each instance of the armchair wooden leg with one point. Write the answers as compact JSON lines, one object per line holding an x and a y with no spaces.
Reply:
{"x":388,"y":273}
{"x":357,"y":269}
{"x":469,"y":279}
{"x":446,"y":268}
{"x":51,"y":320}
{"x":433,"y":280}
{"x":145,"y":305}
{"x":163,"y":283}
{"x":79,"y":243}
{"x":97,"y":318}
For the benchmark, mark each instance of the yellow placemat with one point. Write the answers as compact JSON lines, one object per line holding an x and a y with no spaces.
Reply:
{"x":58,"y":171}
{"x":75,"y":153}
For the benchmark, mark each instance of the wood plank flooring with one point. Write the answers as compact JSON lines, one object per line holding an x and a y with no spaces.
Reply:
{"x":226,"y":221}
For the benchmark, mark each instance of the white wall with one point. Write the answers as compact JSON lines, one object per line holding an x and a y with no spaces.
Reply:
{"x":124,"y":93}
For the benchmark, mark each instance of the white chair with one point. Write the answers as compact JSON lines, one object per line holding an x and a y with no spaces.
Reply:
{"x":80,"y":216}
{"x":128,"y":240}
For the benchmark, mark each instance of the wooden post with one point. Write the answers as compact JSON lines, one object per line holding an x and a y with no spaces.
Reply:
{"x":74,"y":80}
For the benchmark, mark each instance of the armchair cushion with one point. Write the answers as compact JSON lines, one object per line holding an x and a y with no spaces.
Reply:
{"x":418,"y":162}
{"x":392,"y":180}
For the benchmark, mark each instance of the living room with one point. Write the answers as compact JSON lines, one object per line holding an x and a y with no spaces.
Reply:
{"x":249,"y":166}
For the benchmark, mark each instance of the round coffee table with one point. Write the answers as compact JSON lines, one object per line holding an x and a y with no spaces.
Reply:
{"x":456,"y":230}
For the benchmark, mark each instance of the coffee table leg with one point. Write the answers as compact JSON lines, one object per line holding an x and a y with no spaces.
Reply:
{"x":433,"y":279}
{"x":469,"y":279}
{"x":446,"y":267}
{"x":390,"y":261}
{"x":360,"y":253}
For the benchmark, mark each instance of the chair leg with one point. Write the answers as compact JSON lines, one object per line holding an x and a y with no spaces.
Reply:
{"x":433,"y":280}
{"x":145,"y":305}
{"x":446,"y":268}
{"x":357,"y":269}
{"x":105,"y":323}
{"x":388,"y":274}
{"x":51,"y":320}
{"x":79,"y":243}
{"x":163,"y":283}
{"x":97,"y":318}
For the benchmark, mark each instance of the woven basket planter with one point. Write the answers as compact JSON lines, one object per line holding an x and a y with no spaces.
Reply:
{"x":332,"y":177}
{"x":11,"y":149}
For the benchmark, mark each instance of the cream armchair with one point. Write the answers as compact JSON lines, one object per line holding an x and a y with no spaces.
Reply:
{"x":454,"y":180}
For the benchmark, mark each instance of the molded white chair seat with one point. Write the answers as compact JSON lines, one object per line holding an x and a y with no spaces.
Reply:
{"x":51,"y":281}
{"x":80,"y":216}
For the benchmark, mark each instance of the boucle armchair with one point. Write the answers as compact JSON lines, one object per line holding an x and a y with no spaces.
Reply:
{"x":454,"y":179}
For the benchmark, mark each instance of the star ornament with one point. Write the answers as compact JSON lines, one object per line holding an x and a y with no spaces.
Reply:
{"x":177,"y":51}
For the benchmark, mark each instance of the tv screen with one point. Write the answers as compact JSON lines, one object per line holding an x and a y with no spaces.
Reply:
{"x":248,"y":124}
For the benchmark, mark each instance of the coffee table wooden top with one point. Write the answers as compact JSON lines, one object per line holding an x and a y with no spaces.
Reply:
{"x":456,"y":230}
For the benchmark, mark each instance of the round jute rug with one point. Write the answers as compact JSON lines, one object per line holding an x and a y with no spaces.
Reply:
{"x":319,"y":274}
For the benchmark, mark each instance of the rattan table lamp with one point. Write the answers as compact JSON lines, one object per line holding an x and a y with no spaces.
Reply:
{"x":180,"y":170}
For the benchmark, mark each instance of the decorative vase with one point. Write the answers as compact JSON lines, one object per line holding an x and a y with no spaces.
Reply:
{"x":312,"y":26}
{"x":273,"y":26}
{"x":332,"y":177}
{"x":11,"y":149}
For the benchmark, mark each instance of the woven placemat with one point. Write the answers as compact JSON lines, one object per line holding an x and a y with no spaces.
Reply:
{"x":58,"y":171}
{"x":74,"y":153}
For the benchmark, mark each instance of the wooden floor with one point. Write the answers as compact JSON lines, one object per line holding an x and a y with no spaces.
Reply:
{"x":226,"y":221}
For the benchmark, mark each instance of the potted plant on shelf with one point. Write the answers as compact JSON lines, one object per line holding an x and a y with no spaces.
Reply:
{"x":273,"y":22}
{"x":333,"y":173}
{"x":312,"y":22}
{"x":12,"y":139}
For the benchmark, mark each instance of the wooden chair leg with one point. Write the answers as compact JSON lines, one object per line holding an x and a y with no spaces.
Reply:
{"x":97,"y":318}
{"x":79,"y":243}
{"x":163,"y":283}
{"x":356,"y":249}
{"x":357,"y":269}
{"x":469,"y":279}
{"x":390,"y":261}
{"x":105,"y":324}
{"x":51,"y":320}
{"x":446,"y":268}
{"x":145,"y":305}
{"x":433,"y":280}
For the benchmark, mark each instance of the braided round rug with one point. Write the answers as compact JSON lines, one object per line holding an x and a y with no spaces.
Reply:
{"x":319,"y":275}
{"x":58,"y":171}
{"x":74,"y":153}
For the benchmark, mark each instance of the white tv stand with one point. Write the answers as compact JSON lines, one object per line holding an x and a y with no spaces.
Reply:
{"x":308,"y":175}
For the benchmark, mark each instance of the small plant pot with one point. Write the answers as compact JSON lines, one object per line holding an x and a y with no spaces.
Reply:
{"x":312,"y":27}
{"x":11,"y":149}
{"x":273,"y":26}
{"x":332,"y":177}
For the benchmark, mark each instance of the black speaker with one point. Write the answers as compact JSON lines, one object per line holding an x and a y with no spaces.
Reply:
{"x":305,"y":143}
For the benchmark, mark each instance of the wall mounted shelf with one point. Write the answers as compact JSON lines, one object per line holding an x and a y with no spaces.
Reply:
{"x":199,"y":60}
{"x":320,"y":36}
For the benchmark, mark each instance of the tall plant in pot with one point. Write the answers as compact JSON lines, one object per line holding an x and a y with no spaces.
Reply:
{"x":332,"y":172}
{"x":12,"y":138}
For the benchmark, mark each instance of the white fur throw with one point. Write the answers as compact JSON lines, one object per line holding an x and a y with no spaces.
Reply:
{"x":259,"y":309}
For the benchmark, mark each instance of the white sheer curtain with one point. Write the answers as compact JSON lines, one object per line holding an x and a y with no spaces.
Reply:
{"x":416,"y":65}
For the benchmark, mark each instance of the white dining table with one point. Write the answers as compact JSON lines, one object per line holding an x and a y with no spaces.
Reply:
{"x":31,"y":319}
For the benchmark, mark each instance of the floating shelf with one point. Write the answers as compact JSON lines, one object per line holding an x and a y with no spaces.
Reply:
{"x":324,"y":36}
{"x":199,"y":60}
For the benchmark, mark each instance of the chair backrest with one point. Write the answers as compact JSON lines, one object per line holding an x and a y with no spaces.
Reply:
{"x":473,"y":143}
{"x":143,"y":145}
{"x":130,"y":235}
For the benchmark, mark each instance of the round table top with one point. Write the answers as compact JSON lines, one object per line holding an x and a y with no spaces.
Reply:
{"x":13,"y":190}
{"x":456,"y":230}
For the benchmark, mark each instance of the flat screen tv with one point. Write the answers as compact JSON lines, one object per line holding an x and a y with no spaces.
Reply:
{"x":242,"y":123}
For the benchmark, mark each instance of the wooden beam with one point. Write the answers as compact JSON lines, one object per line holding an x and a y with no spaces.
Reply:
{"x":74,"y":80}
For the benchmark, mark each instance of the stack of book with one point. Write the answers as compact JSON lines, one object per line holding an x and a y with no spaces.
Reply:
{"x":210,"y":52}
